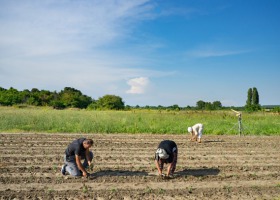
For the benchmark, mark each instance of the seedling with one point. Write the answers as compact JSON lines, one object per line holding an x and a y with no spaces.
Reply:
{"x":114,"y":190}
{"x":161,"y":191}
{"x":50,"y":190}
{"x":85,"y":188}
{"x":148,"y":190}
{"x":228,"y":188}
{"x":190,"y":189}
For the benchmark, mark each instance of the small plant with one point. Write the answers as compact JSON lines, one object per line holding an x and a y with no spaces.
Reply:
{"x":227,"y":188}
{"x":84,"y":188}
{"x":200,"y":178}
{"x":54,"y":167}
{"x":161,"y":191}
{"x":50,"y":190}
{"x":114,"y":190}
{"x":148,"y":190}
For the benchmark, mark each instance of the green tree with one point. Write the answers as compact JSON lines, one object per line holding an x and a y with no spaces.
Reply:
{"x":174,"y":107}
{"x":217,"y":105}
{"x":252,"y":103}
{"x":255,"y":96}
{"x":74,"y":98}
{"x":208,"y":106}
{"x":56,"y":104}
{"x":34,"y":97}
{"x":249,"y":97}
{"x":45,"y":97}
{"x":255,"y":99}
{"x":9,"y":97}
{"x":248,"y":105}
{"x":25,"y":95}
{"x":110,"y":102}
{"x":200,"y":105}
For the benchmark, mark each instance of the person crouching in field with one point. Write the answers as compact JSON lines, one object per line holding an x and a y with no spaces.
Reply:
{"x":196,"y":131}
{"x":166,"y":152}
{"x":75,"y":152}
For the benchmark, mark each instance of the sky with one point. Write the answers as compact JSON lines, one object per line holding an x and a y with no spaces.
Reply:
{"x":148,"y":52}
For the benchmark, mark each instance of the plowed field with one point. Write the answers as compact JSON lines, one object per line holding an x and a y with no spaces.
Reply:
{"x":222,"y":167}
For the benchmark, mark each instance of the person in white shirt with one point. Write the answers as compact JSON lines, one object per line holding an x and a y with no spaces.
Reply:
{"x":196,"y":131}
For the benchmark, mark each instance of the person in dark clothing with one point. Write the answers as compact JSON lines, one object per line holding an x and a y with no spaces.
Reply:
{"x":167,"y":152}
{"x":75,"y":152}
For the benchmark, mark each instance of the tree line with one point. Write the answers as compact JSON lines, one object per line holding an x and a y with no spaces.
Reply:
{"x":66,"y":98}
{"x":73,"y":98}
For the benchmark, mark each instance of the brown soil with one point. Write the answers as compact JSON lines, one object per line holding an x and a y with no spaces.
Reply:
{"x":221,"y":167}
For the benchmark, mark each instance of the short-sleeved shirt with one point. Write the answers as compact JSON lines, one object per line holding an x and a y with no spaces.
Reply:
{"x":76,"y":148}
{"x":170,"y":147}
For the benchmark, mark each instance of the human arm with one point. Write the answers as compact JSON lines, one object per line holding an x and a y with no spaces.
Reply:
{"x":158,"y":168}
{"x":88,"y":157}
{"x":194,"y":135}
{"x":191,"y":133}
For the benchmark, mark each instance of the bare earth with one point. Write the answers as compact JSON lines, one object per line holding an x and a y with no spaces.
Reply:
{"x":222,"y":167}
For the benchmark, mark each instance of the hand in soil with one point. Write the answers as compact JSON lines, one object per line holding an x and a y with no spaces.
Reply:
{"x":90,"y":167}
{"x":85,"y":174}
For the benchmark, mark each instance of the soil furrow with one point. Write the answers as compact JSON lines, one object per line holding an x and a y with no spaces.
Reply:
{"x":222,"y":167}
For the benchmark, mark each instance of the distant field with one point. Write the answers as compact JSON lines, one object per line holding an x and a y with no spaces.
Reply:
{"x":43,"y":119}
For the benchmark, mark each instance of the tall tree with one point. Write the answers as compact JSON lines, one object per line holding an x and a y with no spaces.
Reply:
{"x":249,"y":98}
{"x":252,"y":103}
{"x":255,"y":97}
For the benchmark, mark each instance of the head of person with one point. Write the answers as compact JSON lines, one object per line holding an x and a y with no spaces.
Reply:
{"x":161,"y":153}
{"x":87,"y":143}
{"x":190,"y":129}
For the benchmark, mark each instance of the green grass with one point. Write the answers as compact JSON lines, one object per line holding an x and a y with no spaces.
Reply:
{"x":43,"y":119}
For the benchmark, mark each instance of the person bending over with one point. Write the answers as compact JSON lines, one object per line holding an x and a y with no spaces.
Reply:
{"x":77,"y":151}
{"x":196,"y":132}
{"x":166,"y":153}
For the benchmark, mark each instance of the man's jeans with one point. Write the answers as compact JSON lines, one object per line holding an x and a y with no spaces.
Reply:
{"x":72,"y":167}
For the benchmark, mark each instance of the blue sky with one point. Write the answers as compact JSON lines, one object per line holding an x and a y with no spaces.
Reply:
{"x":149,"y":52}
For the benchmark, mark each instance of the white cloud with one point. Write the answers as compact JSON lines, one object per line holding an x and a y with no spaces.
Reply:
{"x":218,"y":48}
{"x":138,"y":85}
{"x":52,"y":44}
{"x":33,"y":28}
{"x":213,"y":53}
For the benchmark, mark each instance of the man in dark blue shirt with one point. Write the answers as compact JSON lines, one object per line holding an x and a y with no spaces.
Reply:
{"x":167,"y":152}
{"x":75,"y":152}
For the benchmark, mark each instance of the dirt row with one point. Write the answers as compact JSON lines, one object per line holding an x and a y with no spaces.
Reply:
{"x":221,"y":167}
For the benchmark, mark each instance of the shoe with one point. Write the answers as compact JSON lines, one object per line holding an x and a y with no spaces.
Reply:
{"x":63,"y":170}
{"x":171,"y":176}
